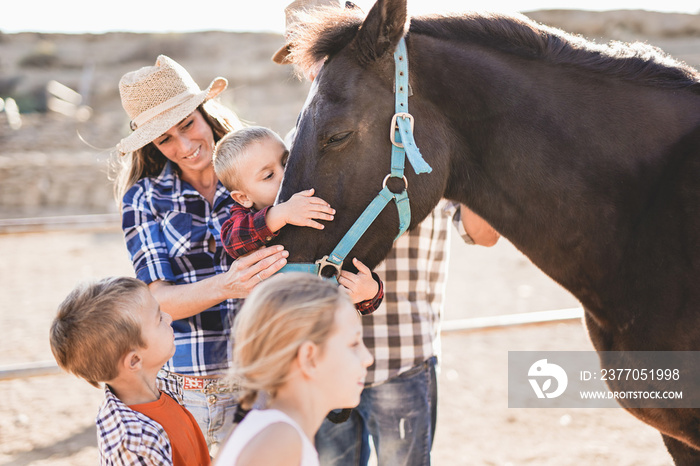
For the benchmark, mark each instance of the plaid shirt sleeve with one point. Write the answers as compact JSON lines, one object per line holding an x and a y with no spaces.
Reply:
{"x":457,"y":222}
{"x":245,"y":231}
{"x":368,"y":306}
{"x":145,"y":238}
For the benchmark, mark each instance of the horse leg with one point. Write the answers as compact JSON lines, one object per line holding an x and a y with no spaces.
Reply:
{"x":682,"y":453}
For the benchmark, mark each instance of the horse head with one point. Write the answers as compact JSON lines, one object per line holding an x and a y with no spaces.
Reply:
{"x":342,"y":147}
{"x":584,"y":156}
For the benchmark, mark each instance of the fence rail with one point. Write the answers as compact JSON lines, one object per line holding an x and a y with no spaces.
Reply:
{"x":99,"y":222}
{"x":510,"y":320}
{"x":32,"y":369}
{"x":476,"y":324}
{"x":95,"y":222}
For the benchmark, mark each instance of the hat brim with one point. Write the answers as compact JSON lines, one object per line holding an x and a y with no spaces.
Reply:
{"x":281,"y":57}
{"x":166,"y":120}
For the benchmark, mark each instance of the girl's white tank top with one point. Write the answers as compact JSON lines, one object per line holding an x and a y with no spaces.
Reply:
{"x":254,"y":422}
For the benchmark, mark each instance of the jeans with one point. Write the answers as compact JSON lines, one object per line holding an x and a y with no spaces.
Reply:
{"x":400,"y":415}
{"x":214,"y":414}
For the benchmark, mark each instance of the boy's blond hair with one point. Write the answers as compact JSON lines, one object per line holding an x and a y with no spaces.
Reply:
{"x":229,"y":150}
{"x":279,"y":315}
{"x":95,"y":327}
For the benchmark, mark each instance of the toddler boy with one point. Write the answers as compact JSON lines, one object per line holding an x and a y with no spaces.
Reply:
{"x":250,"y":164}
{"x":113,"y":331}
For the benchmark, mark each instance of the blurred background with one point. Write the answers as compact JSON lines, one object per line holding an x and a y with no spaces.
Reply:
{"x":76,"y":16}
{"x":60,"y":64}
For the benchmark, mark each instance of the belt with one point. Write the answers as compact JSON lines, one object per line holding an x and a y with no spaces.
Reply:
{"x":207,"y":385}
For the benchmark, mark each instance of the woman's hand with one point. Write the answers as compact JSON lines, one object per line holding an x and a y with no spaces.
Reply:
{"x":186,"y":300}
{"x":249,"y":270}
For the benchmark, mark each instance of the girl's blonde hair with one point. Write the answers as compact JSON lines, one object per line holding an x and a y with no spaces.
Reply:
{"x":279,"y":315}
{"x":149,"y":161}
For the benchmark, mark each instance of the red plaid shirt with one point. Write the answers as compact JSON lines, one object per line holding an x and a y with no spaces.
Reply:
{"x":246,"y":230}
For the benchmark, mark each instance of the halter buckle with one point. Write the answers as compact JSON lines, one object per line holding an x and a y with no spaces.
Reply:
{"x":324,"y":262}
{"x":394,"y":126}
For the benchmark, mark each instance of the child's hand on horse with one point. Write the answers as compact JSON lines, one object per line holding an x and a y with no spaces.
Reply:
{"x":361,"y":285}
{"x":303,"y":209}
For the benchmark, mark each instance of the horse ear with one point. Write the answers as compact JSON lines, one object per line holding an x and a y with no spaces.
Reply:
{"x":385,"y":25}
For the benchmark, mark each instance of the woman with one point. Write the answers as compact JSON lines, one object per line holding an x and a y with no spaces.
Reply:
{"x":172,"y":208}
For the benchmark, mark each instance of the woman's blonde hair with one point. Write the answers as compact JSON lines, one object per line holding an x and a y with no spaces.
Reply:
{"x":149,"y":161}
{"x":96,"y":325}
{"x":277,"y":318}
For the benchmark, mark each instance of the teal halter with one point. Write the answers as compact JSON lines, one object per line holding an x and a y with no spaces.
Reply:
{"x":403,"y":146}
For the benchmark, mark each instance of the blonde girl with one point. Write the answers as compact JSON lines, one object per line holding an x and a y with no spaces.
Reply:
{"x":298,"y":339}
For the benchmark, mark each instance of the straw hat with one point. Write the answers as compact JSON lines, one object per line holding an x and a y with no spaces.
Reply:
{"x":158,"y":97}
{"x":292,"y":9}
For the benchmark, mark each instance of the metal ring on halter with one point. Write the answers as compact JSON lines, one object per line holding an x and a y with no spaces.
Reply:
{"x":405,"y":181}
{"x":324,"y":262}
{"x":392,"y":133}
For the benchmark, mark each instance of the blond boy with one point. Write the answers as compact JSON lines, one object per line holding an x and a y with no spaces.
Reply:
{"x":250,"y":164}
{"x":113,"y":331}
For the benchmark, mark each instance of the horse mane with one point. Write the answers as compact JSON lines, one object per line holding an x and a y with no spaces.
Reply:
{"x":327,"y":31}
{"x":320,"y":34}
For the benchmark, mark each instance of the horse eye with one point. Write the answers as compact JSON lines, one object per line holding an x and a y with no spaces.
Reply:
{"x":338,"y":138}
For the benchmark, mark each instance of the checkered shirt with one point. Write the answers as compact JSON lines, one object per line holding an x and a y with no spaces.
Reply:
{"x":246,"y":231}
{"x":127,"y":437}
{"x":405,"y":330}
{"x":168,"y":225}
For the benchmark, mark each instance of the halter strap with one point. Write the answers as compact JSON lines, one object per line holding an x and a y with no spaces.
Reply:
{"x":404,"y":120}
{"x":403,"y":146}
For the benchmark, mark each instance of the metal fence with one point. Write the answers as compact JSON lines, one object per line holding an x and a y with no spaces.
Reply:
{"x":103,"y":222}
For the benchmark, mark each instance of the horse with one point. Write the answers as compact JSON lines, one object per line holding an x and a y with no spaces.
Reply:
{"x":584,"y":156}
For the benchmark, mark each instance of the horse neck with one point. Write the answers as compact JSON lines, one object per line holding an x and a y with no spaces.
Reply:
{"x":555,"y":159}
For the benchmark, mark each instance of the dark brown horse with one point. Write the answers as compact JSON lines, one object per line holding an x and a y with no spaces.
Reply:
{"x":586,"y":157}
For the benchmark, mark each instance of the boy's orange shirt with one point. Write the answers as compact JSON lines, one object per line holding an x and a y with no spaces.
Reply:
{"x":186,"y":439}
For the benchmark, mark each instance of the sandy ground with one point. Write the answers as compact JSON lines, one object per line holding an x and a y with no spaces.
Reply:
{"x":48,"y":420}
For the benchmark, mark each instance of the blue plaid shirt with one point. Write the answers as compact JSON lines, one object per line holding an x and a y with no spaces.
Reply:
{"x":167,"y":226}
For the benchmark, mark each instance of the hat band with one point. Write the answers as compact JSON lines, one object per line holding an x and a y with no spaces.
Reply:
{"x":152,"y":112}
